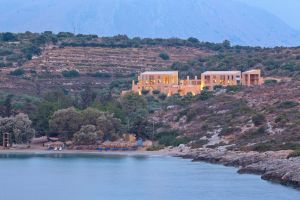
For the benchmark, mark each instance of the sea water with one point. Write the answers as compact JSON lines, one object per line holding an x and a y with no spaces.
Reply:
{"x":96,"y":177}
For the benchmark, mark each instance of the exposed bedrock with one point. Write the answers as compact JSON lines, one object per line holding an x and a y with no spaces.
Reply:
{"x":272,"y":166}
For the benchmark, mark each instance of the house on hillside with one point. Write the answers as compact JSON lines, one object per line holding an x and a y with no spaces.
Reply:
{"x":252,"y":77}
{"x":210,"y":79}
{"x":168,"y":82}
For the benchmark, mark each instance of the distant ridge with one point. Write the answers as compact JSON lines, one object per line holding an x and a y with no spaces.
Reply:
{"x":208,"y":20}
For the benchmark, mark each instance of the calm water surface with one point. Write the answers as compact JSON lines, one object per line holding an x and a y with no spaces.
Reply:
{"x":78,"y":177}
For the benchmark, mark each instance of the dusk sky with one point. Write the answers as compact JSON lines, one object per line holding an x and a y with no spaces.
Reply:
{"x":286,"y":10}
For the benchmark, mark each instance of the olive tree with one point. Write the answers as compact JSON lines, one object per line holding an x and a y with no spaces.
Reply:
{"x":90,"y":115}
{"x":19,"y":128}
{"x":136,"y":109}
{"x":110,"y":126}
{"x":65,"y":122}
{"x":88,"y":135}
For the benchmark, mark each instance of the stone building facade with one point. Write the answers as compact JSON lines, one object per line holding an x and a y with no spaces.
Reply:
{"x":168,"y":82}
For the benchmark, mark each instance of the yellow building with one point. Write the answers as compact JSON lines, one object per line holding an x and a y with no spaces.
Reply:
{"x":166,"y":82}
{"x":252,"y":77}
{"x":210,"y":79}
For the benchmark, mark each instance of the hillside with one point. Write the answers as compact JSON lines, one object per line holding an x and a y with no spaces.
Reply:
{"x":42,"y":59}
{"x":259,"y":118}
{"x":48,"y":72}
{"x":208,"y":20}
{"x":122,"y":61}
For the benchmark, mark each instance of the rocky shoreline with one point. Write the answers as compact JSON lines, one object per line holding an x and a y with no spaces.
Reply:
{"x":272,"y":166}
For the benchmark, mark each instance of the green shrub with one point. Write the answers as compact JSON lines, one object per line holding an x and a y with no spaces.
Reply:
{"x":193,"y":40}
{"x":5,"y":64}
{"x":71,"y":73}
{"x":258,"y":119}
{"x":260,"y":131}
{"x":155,"y":92}
{"x":191,"y":114}
{"x":32,"y":71}
{"x":5,"y":52}
{"x":205,"y":95}
{"x":169,"y":138}
{"x":164,"y":56}
{"x":14,"y":57}
{"x":101,"y":75}
{"x":296,"y":153}
{"x":271,"y":82}
{"x":6,"y":37}
{"x":31,"y":50}
{"x":17,"y":72}
{"x":145,"y":92}
{"x":276,"y":146}
{"x":155,"y":148}
{"x":162,"y":96}
{"x":254,"y":133}
{"x":233,"y":88}
{"x":288,"y":104}
{"x":281,"y":119}
{"x":198,"y":144}
{"x":216,"y":87}
{"x":262,"y":147}
{"x":229,"y":130}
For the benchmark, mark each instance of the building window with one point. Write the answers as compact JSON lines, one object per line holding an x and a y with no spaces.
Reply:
{"x":222,"y":79}
{"x":207,"y":79}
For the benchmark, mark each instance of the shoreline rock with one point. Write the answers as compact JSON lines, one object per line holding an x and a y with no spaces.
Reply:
{"x":273,"y":166}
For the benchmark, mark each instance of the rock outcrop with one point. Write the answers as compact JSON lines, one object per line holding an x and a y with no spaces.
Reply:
{"x":273,"y":166}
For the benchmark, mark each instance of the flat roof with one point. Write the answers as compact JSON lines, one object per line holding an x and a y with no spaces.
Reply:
{"x":252,"y":71}
{"x":159,"y":72}
{"x":221,"y":72}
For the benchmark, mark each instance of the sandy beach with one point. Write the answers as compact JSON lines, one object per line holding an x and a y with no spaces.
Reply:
{"x":86,"y":152}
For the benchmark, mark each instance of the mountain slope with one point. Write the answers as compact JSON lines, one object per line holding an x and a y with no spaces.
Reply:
{"x":208,"y":20}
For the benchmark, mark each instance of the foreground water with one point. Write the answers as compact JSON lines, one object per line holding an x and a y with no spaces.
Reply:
{"x":90,"y":177}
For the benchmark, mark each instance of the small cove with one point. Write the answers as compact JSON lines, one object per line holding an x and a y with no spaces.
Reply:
{"x":93,"y":177}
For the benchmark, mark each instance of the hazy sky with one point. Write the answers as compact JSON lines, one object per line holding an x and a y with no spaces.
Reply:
{"x":286,"y":10}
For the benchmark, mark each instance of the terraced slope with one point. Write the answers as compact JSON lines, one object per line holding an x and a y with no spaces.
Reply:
{"x":44,"y":72}
{"x":111,"y":60}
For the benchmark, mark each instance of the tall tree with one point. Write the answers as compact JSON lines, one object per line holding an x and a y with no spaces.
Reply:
{"x":8,"y":106}
{"x":65,"y":122}
{"x":135,"y":108}
{"x":87,"y":96}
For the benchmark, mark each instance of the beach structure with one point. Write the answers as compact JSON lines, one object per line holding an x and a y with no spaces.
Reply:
{"x":6,"y":143}
{"x":129,"y":137}
{"x":168,"y":82}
